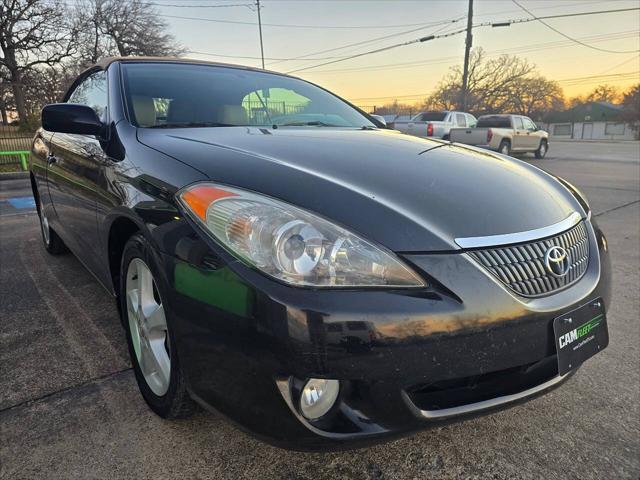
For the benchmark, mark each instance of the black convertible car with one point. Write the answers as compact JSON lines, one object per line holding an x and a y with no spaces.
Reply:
{"x":279,"y":256}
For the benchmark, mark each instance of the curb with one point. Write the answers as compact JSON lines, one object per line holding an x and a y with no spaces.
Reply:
{"x":580,"y":140}
{"x":13,"y":175}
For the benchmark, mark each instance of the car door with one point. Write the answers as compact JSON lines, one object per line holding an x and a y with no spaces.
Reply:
{"x":519,"y":141}
{"x":533,"y":138}
{"x":73,"y":175}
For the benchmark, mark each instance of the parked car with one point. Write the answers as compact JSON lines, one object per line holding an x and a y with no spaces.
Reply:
{"x":504,"y":134}
{"x":323,"y":282}
{"x":435,"y":124}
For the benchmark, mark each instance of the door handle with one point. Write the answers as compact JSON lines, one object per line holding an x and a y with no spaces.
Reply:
{"x":51,"y":159}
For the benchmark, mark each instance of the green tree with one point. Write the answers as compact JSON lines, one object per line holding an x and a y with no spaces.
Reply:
{"x":631,"y":108}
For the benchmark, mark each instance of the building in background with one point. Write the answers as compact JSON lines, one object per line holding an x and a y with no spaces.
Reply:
{"x":590,"y":121}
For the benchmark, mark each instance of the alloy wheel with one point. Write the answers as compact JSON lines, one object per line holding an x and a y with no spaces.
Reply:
{"x":148,"y":326}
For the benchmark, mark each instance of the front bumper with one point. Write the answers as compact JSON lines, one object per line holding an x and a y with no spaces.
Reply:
{"x":406,"y":359}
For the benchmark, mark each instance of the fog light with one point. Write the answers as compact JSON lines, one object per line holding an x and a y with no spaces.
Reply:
{"x":318,"y":396}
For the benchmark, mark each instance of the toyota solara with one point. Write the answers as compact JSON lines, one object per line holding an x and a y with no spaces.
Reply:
{"x":279,"y":256}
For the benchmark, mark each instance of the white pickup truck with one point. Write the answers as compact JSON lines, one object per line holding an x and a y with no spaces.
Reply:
{"x":504,"y":134}
{"x":435,"y":124}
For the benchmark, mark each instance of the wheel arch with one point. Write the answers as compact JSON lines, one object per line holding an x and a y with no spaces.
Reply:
{"x":34,"y":189}
{"x":120,"y":231}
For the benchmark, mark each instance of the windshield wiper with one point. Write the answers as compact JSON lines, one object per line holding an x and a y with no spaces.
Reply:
{"x":314,"y":123}
{"x":193,"y":125}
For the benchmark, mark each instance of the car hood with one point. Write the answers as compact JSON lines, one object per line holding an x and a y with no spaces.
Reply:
{"x":407,"y":193}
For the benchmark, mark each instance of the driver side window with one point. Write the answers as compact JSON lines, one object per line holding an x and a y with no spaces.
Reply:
{"x":92,"y":92}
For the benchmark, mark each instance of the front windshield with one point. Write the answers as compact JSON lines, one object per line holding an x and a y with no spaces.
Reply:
{"x":174,"y":95}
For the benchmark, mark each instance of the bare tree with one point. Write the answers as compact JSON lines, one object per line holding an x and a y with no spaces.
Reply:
{"x":604,"y":93}
{"x":534,"y":96}
{"x":6,"y":96}
{"x":502,"y":84}
{"x":33,"y":33}
{"x":123,"y":27}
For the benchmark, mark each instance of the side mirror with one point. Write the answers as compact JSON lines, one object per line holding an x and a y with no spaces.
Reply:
{"x":380,"y":118}
{"x":71,"y":118}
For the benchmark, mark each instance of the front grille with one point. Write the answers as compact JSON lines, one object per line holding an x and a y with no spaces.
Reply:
{"x":522,"y":267}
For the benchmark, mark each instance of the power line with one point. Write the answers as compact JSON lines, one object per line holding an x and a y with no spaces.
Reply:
{"x":635,"y":57}
{"x":288,"y":25}
{"x":248,"y":5}
{"x":449,"y":21}
{"x":519,"y":49}
{"x":540,"y":19}
{"x":456,"y":32}
{"x":626,"y":74}
{"x":208,"y":54}
{"x":350,"y":27}
{"x":154,"y":4}
{"x":383,"y":49}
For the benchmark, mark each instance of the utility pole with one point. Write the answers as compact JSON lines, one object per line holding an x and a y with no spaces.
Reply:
{"x":467,"y":50}
{"x":260,"y":30}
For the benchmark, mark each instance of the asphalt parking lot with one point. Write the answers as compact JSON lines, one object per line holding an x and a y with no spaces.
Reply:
{"x":70,"y":407}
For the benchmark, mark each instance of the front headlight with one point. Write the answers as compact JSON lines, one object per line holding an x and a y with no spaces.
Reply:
{"x":291,"y":244}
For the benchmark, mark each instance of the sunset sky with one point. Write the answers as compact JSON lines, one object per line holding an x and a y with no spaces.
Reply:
{"x":294,"y":28}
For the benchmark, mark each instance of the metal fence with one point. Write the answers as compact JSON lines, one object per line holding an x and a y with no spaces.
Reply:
{"x":14,"y":148}
{"x":260,"y":113}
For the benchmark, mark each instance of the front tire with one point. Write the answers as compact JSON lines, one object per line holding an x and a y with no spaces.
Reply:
{"x":151,"y":344}
{"x":542,"y":149}
{"x":505,"y":147}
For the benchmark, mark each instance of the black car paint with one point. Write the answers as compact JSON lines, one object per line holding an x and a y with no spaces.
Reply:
{"x":406,"y":213}
{"x":238,"y":332}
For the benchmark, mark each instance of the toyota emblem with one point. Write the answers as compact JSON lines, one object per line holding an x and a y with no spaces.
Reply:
{"x":557,"y":261}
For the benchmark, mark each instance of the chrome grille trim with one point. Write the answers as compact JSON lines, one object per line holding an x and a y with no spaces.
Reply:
{"x":519,"y":237}
{"x":485,"y":404}
{"x":521,"y":267}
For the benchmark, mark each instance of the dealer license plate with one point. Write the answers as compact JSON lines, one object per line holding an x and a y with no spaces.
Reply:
{"x":580,"y":334}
